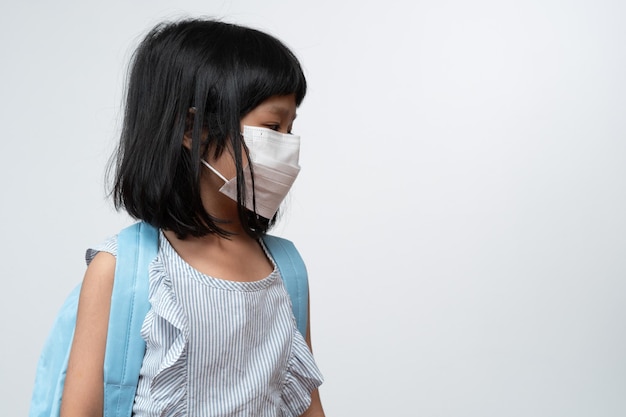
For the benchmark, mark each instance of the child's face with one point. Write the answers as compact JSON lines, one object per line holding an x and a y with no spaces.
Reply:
{"x":276,"y":113}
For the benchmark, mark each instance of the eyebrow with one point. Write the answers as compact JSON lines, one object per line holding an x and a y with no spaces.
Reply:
{"x":281,"y":110}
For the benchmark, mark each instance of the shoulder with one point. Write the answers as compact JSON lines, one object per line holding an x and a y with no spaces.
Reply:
{"x":108,"y":246}
{"x":98,"y":279}
{"x":100,"y":272}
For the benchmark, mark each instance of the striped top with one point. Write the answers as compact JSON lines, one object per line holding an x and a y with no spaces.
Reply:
{"x":219,"y":348}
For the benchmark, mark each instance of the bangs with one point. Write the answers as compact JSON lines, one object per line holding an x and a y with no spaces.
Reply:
{"x":268,"y":68}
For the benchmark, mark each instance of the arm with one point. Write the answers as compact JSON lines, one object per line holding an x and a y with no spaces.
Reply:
{"x":315,"y":409}
{"x":83,"y":390}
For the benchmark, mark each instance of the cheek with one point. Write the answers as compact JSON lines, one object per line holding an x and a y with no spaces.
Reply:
{"x":225,"y":164}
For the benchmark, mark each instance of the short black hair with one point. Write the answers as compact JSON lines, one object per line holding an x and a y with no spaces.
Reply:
{"x":221,"y":70}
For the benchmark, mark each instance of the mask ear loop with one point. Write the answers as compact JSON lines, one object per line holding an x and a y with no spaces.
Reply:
{"x":206,"y":164}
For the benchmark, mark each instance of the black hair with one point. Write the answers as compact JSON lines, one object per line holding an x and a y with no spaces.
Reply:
{"x":221,"y":71}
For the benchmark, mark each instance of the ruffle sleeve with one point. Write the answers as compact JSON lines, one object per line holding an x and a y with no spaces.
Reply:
{"x":302,"y":378}
{"x":166,"y":332}
{"x":109,"y":246}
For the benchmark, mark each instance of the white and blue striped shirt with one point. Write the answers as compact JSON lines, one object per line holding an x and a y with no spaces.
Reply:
{"x":219,"y":348}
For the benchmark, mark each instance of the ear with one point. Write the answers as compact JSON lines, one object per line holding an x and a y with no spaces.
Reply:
{"x":189,"y":127}
{"x":187,"y":140}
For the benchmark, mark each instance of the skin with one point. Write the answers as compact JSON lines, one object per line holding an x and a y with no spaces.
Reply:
{"x":212,"y":255}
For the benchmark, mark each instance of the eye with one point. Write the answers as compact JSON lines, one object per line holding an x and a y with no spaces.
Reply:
{"x":274,"y":127}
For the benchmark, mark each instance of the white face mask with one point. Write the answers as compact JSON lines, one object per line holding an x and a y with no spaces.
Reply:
{"x":274,"y":157}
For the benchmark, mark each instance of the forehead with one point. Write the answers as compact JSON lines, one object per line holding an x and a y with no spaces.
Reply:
{"x":284,"y":106}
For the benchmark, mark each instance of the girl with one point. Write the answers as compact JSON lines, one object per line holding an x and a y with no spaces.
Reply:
{"x":206,"y":155}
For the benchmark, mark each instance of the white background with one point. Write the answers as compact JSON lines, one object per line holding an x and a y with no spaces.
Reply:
{"x":461,"y":206}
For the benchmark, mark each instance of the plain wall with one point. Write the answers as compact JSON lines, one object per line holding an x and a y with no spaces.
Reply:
{"x":460,"y":207}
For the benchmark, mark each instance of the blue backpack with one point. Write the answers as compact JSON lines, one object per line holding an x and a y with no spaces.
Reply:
{"x":137,"y":246}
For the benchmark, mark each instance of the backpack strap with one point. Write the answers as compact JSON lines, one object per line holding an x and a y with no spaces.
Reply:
{"x":137,"y":247}
{"x":294,"y":275}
